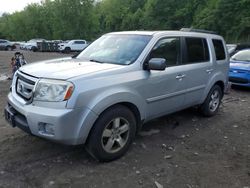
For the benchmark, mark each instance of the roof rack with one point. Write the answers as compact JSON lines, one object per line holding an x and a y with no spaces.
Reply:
{"x":197,"y":30}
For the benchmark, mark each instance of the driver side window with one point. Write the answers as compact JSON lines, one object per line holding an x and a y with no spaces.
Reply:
{"x":169,"y":49}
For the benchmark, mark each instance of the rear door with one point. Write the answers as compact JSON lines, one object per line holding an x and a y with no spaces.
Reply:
{"x":198,"y":68}
{"x":78,"y":45}
{"x":74,"y":46}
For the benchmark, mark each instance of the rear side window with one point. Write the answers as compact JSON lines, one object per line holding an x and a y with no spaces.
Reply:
{"x":79,"y":42}
{"x":219,"y":49}
{"x":197,"y":50}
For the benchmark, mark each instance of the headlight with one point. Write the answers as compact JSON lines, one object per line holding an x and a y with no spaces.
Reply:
{"x":53,"y":90}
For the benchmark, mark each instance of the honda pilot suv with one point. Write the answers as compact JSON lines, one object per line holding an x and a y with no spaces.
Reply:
{"x":102,"y":97}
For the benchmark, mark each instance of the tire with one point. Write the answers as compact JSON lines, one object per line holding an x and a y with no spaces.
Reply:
{"x":112,"y":134}
{"x":9,"y":48}
{"x":211,"y":105}
{"x":67,"y":50}
{"x":34,"y":49}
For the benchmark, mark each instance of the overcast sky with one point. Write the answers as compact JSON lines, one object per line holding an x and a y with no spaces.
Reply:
{"x":11,"y":6}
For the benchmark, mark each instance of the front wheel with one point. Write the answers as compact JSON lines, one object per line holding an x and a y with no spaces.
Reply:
{"x":34,"y":49}
{"x":112,"y":134}
{"x":9,"y":48}
{"x":211,"y":105}
{"x":67,"y":50}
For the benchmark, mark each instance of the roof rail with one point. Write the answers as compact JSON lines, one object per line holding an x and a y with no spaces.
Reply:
{"x":197,"y":30}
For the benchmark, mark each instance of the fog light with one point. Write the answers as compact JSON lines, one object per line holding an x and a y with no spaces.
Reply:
{"x":46,"y":129}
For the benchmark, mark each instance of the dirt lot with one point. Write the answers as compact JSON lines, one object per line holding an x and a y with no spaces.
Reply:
{"x":180,"y":150}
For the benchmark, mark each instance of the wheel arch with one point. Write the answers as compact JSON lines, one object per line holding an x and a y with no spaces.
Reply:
{"x":99,"y":105}
{"x":221,"y":84}
{"x":217,"y":79}
{"x":134,"y":109}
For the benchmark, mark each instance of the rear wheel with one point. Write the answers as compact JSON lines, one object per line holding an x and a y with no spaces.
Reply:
{"x":112,"y":134}
{"x":211,"y":105}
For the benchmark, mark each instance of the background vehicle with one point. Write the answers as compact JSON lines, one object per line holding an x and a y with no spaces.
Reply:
{"x":31,"y":44}
{"x":239,"y":73}
{"x":73,"y":45}
{"x":231,"y":48}
{"x":122,"y":80}
{"x":234,"y":48}
{"x":6,"y":45}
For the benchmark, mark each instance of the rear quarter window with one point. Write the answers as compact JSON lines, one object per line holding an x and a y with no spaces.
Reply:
{"x":219,"y":49}
{"x":197,"y":50}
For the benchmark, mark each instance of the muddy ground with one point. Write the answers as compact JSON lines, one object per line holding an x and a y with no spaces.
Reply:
{"x":180,"y":150}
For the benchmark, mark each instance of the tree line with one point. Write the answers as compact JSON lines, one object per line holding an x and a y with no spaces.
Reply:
{"x":88,"y":19}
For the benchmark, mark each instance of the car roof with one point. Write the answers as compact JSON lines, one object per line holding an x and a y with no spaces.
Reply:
{"x":170,"y":32}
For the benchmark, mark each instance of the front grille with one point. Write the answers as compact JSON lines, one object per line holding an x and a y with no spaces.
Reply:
{"x":238,"y":80}
{"x":25,"y":85}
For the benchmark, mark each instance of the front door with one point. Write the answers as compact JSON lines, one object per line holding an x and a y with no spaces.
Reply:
{"x":164,"y":90}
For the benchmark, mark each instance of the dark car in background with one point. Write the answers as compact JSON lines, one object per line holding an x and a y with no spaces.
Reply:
{"x":239,"y":73}
{"x":234,"y":48}
{"x":6,"y":45}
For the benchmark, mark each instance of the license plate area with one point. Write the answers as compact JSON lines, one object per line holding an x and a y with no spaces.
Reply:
{"x":9,"y":115}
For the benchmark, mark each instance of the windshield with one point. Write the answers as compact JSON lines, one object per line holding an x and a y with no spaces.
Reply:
{"x":242,"y":56}
{"x":116,"y":49}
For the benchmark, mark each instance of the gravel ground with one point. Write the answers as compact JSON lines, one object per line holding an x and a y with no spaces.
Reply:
{"x":182,"y":150}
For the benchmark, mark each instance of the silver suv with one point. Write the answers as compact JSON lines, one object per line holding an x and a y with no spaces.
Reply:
{"x":102,"y":97}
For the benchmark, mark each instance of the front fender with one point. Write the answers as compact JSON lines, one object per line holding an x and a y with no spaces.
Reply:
{"x":114,"y":96}
{"x":99,"y":102}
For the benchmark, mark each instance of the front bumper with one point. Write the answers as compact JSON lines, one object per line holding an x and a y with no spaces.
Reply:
{"x":16,"y":119}
{"x":61,"y":48}
{"x":240,"y":79}
{"x":71,"y":126}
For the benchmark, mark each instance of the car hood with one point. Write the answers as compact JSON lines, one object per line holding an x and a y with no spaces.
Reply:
{"x":65,"y":68}
{"x":240,"y":65}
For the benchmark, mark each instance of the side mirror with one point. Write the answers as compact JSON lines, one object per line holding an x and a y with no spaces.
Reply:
{"x":157,"y":64}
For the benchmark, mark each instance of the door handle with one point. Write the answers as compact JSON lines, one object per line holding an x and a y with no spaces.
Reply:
{"x":209,"y":71}
{"x":179,"y":77}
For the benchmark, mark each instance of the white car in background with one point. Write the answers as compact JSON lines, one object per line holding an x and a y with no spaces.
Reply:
{"x":31,"y":44}
{"x":6,"y":45}
{"x":72,"y":45}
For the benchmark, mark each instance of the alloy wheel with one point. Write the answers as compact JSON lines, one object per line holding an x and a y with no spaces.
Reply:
{"x":115,"y":135}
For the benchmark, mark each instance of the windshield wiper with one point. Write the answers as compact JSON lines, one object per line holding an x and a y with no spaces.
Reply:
{"x":75,"y":55}
{"x":97,"y":61}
